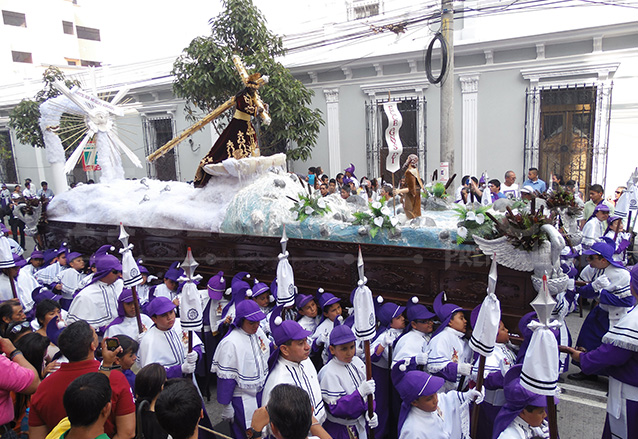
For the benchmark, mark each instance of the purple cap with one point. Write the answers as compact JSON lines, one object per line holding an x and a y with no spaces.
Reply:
{"x":303,"y":300}
{"x":474,"y":315}
{"x":346,"y":180}
{"x":341,"y":334}
{"x":37,"y":254}
{"x":569,"y":253}
{"x":72,"y":255}
{"x":416,"y":311}
{"x":174,"y":272}
{"x":444,"y":311}
{"x":389,"y":311}
{"x":240,"y":277}
{"x":249,"y":310}
{"x":105,"y":265}
{"x":259,"y":288}
{"x":40,"y":294}
{"x":349,"y":169}
{"x":612,"y":218}
{"x":285,"y":330}
{"x":19,"y":261}
{"x":49,"y":255}
{"x":52,"y":330}
{"x":216,"y":286}
{"x":605,"y":248}
{"x":63,"y":248}
{"x":102,"y":251}
{"x":416,"y":383}
{"x":143,"y":269}
{"x":601,"y":207}
{"x":326,"y":299}
{"x":3,"y":229}
{"x":160,"y":305}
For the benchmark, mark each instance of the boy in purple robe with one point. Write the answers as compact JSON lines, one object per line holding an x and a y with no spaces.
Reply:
{"x":345,"y":389}
{"x":241,"y":365}
{"x":523,"y":414}
{"x":426,"y":413}
{"x":391,"y":325}
{"x":617,"y":357}
{"x":606,"y":280}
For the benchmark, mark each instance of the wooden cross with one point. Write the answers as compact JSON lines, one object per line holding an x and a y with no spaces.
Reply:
{"x":261,"y":110}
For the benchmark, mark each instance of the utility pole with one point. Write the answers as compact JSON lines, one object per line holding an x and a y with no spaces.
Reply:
{"x":447,"y":87}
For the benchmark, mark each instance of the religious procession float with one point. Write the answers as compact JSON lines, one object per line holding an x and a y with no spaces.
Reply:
{"x":241,"y":205}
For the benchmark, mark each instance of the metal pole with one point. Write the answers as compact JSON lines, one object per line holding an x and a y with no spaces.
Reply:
{"x":447,"y":87}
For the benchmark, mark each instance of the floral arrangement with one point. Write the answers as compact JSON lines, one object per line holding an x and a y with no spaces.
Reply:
{"x":523,"y":229}
{"x":562,"y":199}
{"x":436,"y":190}
{"x":473,"y":222}
{"x":377,"y":218}
{"x":309,"y":206}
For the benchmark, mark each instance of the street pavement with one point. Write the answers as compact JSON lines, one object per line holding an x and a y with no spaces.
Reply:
{"x":581,"y":411}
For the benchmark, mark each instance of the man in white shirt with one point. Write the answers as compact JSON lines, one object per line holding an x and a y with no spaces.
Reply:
{"x":509,"y":186}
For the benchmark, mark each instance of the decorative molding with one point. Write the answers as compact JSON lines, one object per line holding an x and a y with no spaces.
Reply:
{"x":469,"y":158}
{"x":469,"y":83}
{"x":332,"y":95}
{"x":598,"y":44}
{"x":409,"y":86}
{"x":348,"y":72}
{"x":379,"y":69}
{"x":412,"y":63}
{"x":540,"y":51}
{"x":170,"y":108}
{"x":489,"y":56}
{"x":332,"y":124}
{"x":590,"y":71}
{"x":313,"y":77}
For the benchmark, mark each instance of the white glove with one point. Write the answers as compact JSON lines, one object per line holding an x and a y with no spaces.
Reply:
{"x":387,"y":339}
{"x":188,"y":368}
{"x":465,"y":369}
{"x":571,"y":284}
{"x":191,"y":357}
{"x":228,"y":413}
{"x":474,"y":395}
{"x":367,"y":388}
{"x":422,"y":359}
{"x":373,"y":422}
{"x":600,"y":283}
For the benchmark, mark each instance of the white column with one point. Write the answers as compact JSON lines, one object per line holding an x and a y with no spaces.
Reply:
{"x":469,"y":88}
{"x":332,"y":121}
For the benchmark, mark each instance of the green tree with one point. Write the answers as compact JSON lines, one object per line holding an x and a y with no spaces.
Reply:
{"x":24,"y":118}
{"x":206,"y":77}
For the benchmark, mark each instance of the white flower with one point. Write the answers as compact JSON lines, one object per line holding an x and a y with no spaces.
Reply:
{"x":470,"y":216}
{"x":295,"y":215}
{"x":394,"y":221}
{"x":321,"y":204}
{"x":480,"y":218}
{"x":385,"y":210}
{"x":376,"y":205}
{"x":378,"y":221}
{"x":308,"y":210}
{"x":462,"y":232}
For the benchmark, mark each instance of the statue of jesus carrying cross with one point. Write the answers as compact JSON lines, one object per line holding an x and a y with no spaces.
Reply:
{"x":239,"y":139}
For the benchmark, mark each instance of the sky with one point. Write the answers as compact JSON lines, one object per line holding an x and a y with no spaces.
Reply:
{"x":164,"y":29}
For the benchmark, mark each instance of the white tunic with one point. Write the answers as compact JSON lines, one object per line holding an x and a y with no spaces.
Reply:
{"x":243,"y":357}
{"x":592,"y":231}
{"x":322,"y":336}
{"x":410,"y":345}
{"x":308,"y":323}
{"x":70,"y":280}
{"x":444,"y":423}
{"x":24,"y":283}
{"x":338,"y":379}
{"x":96,"y":304}
{"x":500,"y":361}
{"x":162,"y":291}
{"x":519,"y":429}
{"x":385,"y":359}
{"x":129,"y":327}
{"x":167,"y":348}
{"x":302,"y":375}
{"x":47,"y":274}
{"x":445,"y":347}
{"x":619,"y":279}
